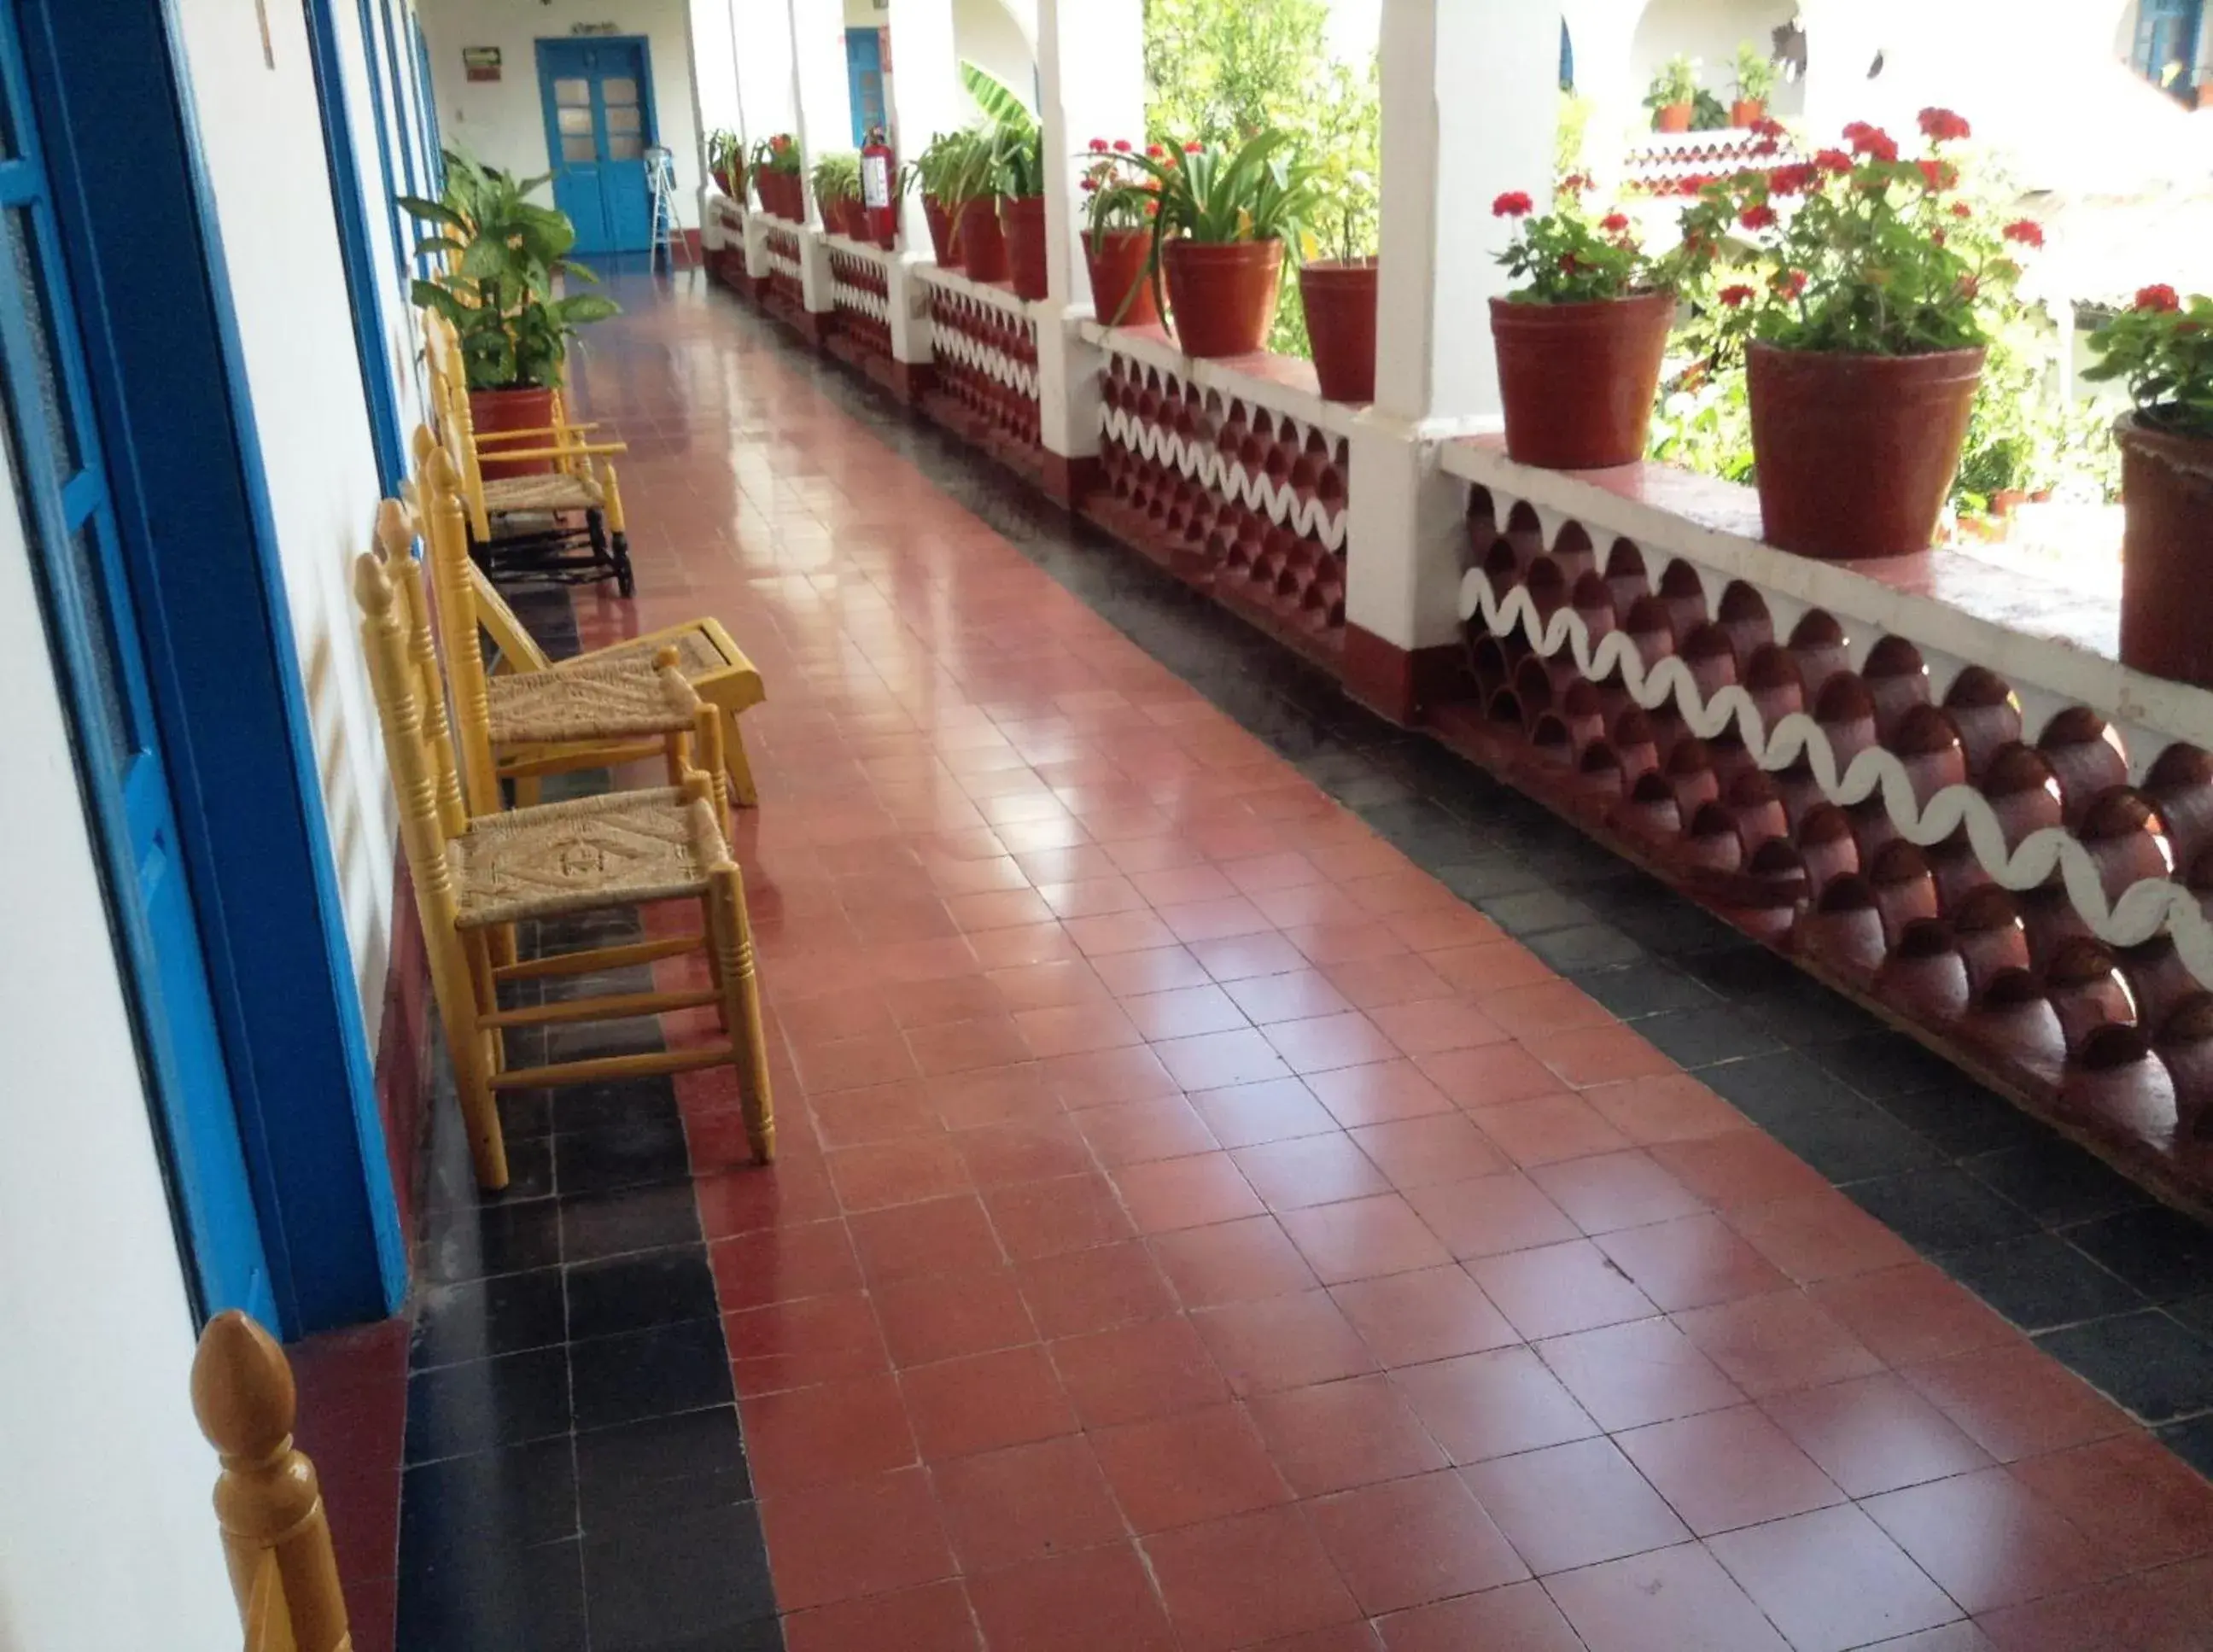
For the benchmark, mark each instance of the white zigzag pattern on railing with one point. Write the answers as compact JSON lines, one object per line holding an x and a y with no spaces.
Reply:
{"x":847,"y":296}
{"x":2144,"y":909}
{"x":1217,"y":473}
{"x":974,"y":353}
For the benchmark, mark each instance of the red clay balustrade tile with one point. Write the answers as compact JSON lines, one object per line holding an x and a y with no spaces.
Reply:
{"x":1874,"y":1435}
{"x":1317,"y":1169}
{"x":1065,"y":1213}
{"x":1181,"y":1012}
{"x":1492,"y":1404}
{"x":1026,"y":1504}
{"x":1231,"y":1262}
{"x":1672,"y":1598}
{"x":1488,"y":1215}
{"x":1299,"y":995}
{"x":935,"y":1617}
{"x":2130,"y":1494}
{"x":838,"y":1431}
{"x":1282,"y":1342}
{"x":1691,"y":1262}
{"x":1556,"y":1289}
{"x":1274,"y":1110}
{"x":1720,"y":1470}
{"x":1335,"y":1436}
{"x":1547,"y":1129}
{"x":1144,"y":1132}
{"x":1081,"y":1291}
{"x":1362,"y":1238}
{"x":1412,"y":1318}
{"x":949,"y":1236}
{"x":2016,"y":1401}
{"x":1194,"y":1466}
{"x":962,"y":1406}
{"x":858,"y":1538}
{"x":1247,"y":1580}
{"x":1423,"y":1151}
{"x":1378,"y":1093}
{"x":1166,"y":1194}
{"x":1098,"y":1599}
{"x":782,"y":1265}
{"x":1646,"y":1371}
{"x":1519,"y":1618}
{"x":905,"y":1171}
{"x":1606,"y":1191}
{"x":1573,"y":1505}
{"x":1910,"y":1314}
{"x":1136,"y":1372}
{"x":799,"y":1344}
{"x":1989,"y":1540}
{"x":1410,"y":1542}
{"x":947,"y":1315}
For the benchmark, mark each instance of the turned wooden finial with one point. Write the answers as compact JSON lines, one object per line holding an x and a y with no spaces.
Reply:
{"x":393,"y":531}
{"x":372,"y":586}
{"x":266,"y":1499}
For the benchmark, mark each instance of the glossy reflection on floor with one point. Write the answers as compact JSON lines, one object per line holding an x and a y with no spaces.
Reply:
{"x":1247,"y":1179}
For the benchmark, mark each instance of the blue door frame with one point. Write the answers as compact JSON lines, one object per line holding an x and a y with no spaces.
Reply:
{"x":864,"y":83}
{"x":199,"y":547}
{"x":605,"y":196}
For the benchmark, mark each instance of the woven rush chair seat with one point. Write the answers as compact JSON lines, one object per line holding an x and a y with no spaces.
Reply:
{"x":601,"y":700}
{"x":699,"y":653}
{"x":555,"y":492}
{"x":622,"y":849}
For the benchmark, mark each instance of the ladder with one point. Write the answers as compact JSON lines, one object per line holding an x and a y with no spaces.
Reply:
{"x":660,"y":184}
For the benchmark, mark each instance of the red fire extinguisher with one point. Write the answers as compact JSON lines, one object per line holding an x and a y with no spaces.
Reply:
{"x":878,"y":169}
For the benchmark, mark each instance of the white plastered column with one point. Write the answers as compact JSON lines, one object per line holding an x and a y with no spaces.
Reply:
{"x":1091,"y":76}
{"x":820,"y":93}
{"x":1470,"y":96}
{"x":714,"y":97}
{"x":1601,"y":32}
{"x":760,"y":46}
{"x":927,"y":98}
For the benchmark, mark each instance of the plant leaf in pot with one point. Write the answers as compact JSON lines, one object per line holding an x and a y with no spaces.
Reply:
{"x":1673,"y":93}
{"x":1340,"y":292}
{"x":1014,"y":177}
{"x":1119,"y":202}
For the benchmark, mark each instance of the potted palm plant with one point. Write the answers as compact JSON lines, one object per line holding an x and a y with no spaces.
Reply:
{"x":1871,"y":289}
{"x":1225,"y":215}
{"x":1673,"y":95}
{"x":1015,"y":177}
{"x":1580,"y":341}
{"x":836,"y":181}
{"x":726,"y":162}
{"x":1119,"y":203}
{"x":937,"y":170}
{"x":2162,"y":347}
{"x":500,"y":255}
{"x":1755,"y":85}
{"x":1338,"y":291}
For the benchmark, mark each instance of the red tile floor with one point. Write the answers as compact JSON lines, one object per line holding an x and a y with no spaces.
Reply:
{"x":1196,"y":1227}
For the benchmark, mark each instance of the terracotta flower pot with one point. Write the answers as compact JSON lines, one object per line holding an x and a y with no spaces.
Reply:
{"x":2167,"y":603}
{"x":492,"y":412}
{"x":1672,"y":118}
{"x":941,"y":233}
{"x":983,"y":247}
{"x":1854,"y":453}
{"x":1578,"y":380}
{"x":853,"y":219}
{"x":1747,"y":112}
{"x":722,"y":181}
{"x":1121,"y":283}
{"x":1222,"y":294}
{"x":1340,"y":304}
{"x":1022,"y":218}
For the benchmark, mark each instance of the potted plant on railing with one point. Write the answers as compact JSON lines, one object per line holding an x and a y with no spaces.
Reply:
{"x":836,"y":181}
{"x":971,"y":200}
{"x":1218,"y":238}
{"x":1672,"y":95}
{"x":776,"y":176}
{"x":503,"y":253}
{"x":1873,"y":284}
{"x":2162,"y":348}
{"x":1581,"y":338}
{"x":726,"y":162}
{"x":1016,"y":179}
{"x":936,"y":170}
{"x":1755,"y":85}
{"x":1118,"y":203}
{"x":1339,"y":292}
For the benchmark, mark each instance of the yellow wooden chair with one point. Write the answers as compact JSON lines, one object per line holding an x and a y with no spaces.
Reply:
{"x":276,"y":1534}
{"x":476,"y":878}
{"x":525,"y":679}
{"x":516,"y":521}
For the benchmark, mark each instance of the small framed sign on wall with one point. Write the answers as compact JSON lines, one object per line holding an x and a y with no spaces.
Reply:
{"x":480,"y":61}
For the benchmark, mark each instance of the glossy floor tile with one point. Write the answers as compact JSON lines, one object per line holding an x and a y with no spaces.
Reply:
{"x":1247,"y":1179}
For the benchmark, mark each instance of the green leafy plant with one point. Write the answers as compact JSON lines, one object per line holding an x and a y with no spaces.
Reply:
{"x":1755,"y":74}
{"x":503,"y":253}
{"x":2161,"y":348}
{"x":1016,"y":143}
{"x":837,"y":179}
{"x":1708,"y":112}
{"x":1118,"y":194}
{"x":1345,"y":220}
{"x":940,"y":169}
{"x":726,"y":154}
{"x":1573,"y":255}
{"x":1216,"y":193}
{"x":1676,"y":82}
{"x":778,"y":154}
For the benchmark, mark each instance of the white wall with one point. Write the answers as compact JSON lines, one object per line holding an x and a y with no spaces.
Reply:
{"x":503,"y":124}
{"x":1711,"y":30}
{"x":107,"y":1539}
{"x":991,"y":34}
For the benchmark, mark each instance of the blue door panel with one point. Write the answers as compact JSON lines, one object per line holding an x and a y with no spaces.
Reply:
{"x":597,"y":94}
{"x":864,"y":83}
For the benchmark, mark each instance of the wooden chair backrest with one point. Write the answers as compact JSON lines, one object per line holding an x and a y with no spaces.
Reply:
{"x":397,"y":534}
{"x":516,"y":646}
{"x":445,"y":535}
{"x":276,"y":1534}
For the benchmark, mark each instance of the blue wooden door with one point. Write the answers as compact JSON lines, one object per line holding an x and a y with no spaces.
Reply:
{"x":69,"y":517}
{"x":2167,"y":42}
{"x":599,"y":124}
{"x":864,"y":83}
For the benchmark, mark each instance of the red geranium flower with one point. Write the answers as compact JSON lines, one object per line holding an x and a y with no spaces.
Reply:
{"x":1790,"y":283}
{"x":1793,"y":180}
{"x":1574,"y":183}
{"x":1757,"y":218}
{"x":2027,"y":231}
{"x":1098,"y":146}
{"x":1941,"y":126}
{"x":1569,"y":261}
{"x":1768,"y":126}
{"x":2161,"y":297}
{"x":1834,"y":161}
{"x":1874,"y":141}
{"x":1512,"y":203}
{"x":1938,"y":174}
{"x":1121,"y":146}
{"x":1734,"y":296}
{"x":1194,"y":146}
{"x":1615,"y":222}
{"x":1962,"y":209}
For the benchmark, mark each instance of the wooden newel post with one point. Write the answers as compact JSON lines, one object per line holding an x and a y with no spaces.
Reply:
{"x":266,"y":1498}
